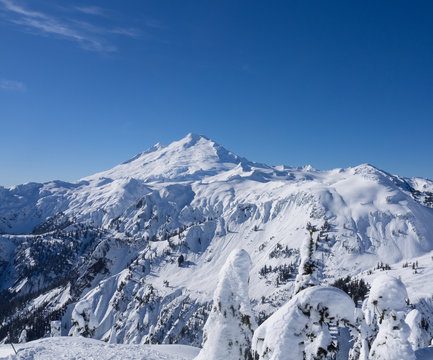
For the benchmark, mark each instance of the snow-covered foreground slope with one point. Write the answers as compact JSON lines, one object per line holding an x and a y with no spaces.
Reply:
{"x":69,"y":348}
{"x":87,"y":349}
{"x":132,"y":254}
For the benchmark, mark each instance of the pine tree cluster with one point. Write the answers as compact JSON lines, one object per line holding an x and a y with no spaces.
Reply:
{"x":356,"y":289}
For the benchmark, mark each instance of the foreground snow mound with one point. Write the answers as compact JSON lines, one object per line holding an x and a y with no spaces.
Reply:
{"x":229,"y":328}
{"x":386,"y":308}
{"x":79,"y":348}
{"x":300,"y":328}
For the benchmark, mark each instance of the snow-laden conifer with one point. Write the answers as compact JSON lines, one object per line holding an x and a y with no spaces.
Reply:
{"x":300,"y":328}
{"x":419,"y":336}
{"x":364,"y":337}
{"x":56,"y":328}
{"x":307,"y":275}
{"x":229,"y":328}
{"x":386,"y":306}
{"x":23,"y":337}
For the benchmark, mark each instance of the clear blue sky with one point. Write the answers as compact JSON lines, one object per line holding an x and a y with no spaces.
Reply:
{"x":85,"y":85}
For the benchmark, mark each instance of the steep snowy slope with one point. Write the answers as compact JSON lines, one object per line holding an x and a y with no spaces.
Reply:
{"x":132,"y":254}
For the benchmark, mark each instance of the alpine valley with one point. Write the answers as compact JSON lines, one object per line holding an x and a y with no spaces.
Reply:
{"x":132,"y":255}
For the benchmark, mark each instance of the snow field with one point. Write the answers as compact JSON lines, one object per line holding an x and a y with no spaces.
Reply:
{"x":78,"y":348}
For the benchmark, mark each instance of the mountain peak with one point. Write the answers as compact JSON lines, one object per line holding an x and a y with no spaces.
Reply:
{"x":190,"y":158}
{"x":192,"y":137}
{"x":191,"y":140}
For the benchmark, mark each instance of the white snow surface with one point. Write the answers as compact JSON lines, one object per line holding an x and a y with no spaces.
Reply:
{"x":79,"y":348}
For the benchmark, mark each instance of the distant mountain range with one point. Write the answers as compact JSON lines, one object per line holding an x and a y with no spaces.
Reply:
{"x":132,"y":254}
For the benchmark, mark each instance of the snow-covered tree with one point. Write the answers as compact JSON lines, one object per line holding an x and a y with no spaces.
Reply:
{"x":300,"y":328}
{"x":56,"y":328}
{"x":23,"y":337}
{"x":307,"y":275}
{"x":418,"y":338}
{"x":420,"y":321}
{"x":83,"y":319}
{"x":386,"y":307}
{"x":229,"y":328}
{"x":365,"y":336}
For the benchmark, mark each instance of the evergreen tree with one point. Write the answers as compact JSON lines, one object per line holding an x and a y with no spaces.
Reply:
{"x":300,"y":328}
{"x":229,"y":328}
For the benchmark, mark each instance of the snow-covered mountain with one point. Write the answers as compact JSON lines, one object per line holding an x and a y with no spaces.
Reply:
{"x":132,"y":254}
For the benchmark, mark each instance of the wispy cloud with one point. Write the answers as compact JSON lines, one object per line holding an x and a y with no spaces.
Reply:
{"x":131,"y":32}
{"x":12,"y":85}
{"x":92,"y":10}
{"x":87,"y":35}
{"x":90,"y":28}
{"x":9,"y":5}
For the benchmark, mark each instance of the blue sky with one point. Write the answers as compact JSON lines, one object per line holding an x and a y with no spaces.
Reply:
{"x":85,"y":85}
